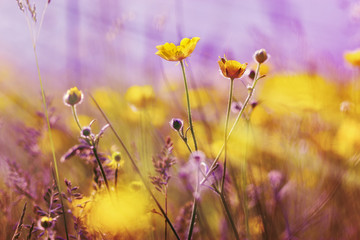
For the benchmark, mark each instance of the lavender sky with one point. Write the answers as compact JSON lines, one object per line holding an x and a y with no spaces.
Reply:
{"x":107,"y":41}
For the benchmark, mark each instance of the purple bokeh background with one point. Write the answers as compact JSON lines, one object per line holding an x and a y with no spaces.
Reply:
{"x":105,"y":42}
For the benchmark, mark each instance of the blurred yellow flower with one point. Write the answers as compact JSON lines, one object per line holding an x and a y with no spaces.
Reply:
{"x":231,"y":68}
{"x":116,"y":161}
{"x":140,"y":96}
{"x":171,"y":52}
{"x":353,"y":57}
{"x":124,"y":213}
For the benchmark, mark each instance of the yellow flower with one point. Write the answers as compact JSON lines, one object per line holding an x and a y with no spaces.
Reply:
{"x":73,"y":96}
{"x":116,"y":160}
{"x":171,"y":52}
{"x":231,"y":68}
{"x":124,"y":214}
{"x":140,"y":96}
{"x":353,"y":57}
{"x":46,"y":222}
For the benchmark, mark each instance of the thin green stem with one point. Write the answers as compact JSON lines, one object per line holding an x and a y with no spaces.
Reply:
{"x":52,"y":146}
{"x":136,"y":168}
{"x":166,"y":212}
{"x":185,"y":141}
{"x":227,"y":210}
{"x":116,"y":176}
{"x":188,"y":105}
{"x":34,"y":38}
{"x":194,"y":209}
{"x":100,"y":166}
{"x":225,"y":134}
{"x":250,"y":93}
{"x":73,"y":108}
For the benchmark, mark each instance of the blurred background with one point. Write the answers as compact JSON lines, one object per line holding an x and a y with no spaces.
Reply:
{"x":113,"y":42}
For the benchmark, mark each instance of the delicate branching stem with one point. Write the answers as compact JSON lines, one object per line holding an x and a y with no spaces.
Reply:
{"x":247,"y":100}
{"x":225,"y":134}
{"x":185,"y":141}
{"x":136,"y":168}
{"x":188,"y":105}
{"x":93,"y":146}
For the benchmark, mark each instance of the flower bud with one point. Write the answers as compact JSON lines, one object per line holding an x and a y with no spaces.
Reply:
{"x":86,"y":131}
{"x":260,"y":56}
{"x":252,"y":75}
{"x":46,"y":222}
{"x":177,"y":124}
{"x":73,"y":96}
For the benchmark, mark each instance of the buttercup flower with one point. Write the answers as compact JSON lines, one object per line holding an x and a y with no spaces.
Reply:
{"x":116,"y":160}
{"x":231,"y":68}
{"x":73,"y":96}
{"x":171,"y":52}
{"x":353,"y":57}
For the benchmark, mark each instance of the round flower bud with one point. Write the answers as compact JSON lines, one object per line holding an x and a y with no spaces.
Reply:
{"x":177,"y":124}
{"x":86,"y":131}
{"x":73,"y":96}
{"x":46,"y":222}
{"x":261,"y":56}
{"x":252,"y":74}
{"x":116,"y":156}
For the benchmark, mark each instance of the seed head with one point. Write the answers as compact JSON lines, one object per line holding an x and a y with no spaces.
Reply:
{"x":261,"y":56}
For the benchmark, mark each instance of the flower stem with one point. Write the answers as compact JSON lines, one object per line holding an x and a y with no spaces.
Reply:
{"x":250,"y":93}
{"x":101,"y":167}
{"x":188,"y":105}
{"x":227,"y":210}
{"x":194,"y":209}
{"x":57,"y":179}
{"x":73,"y":108}
{"x":165,"y":212}
{"x":225,"y":135}
{"x":116,"y":176}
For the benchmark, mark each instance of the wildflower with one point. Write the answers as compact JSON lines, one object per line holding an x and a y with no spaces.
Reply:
{"x":236,"y":107}
{"x":197,"y":156}
{"x":86,"y":131}
{"x":231,"y":69}
{"x":46,"y":222}
{"x":73,"y":96}
{"x":171,"y":52}
{"x":116,"y":160}
{"x":140,"y":96}
{"x":177,"y":124}
{"x":353,"y":57}
{"x":261,"y":56}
